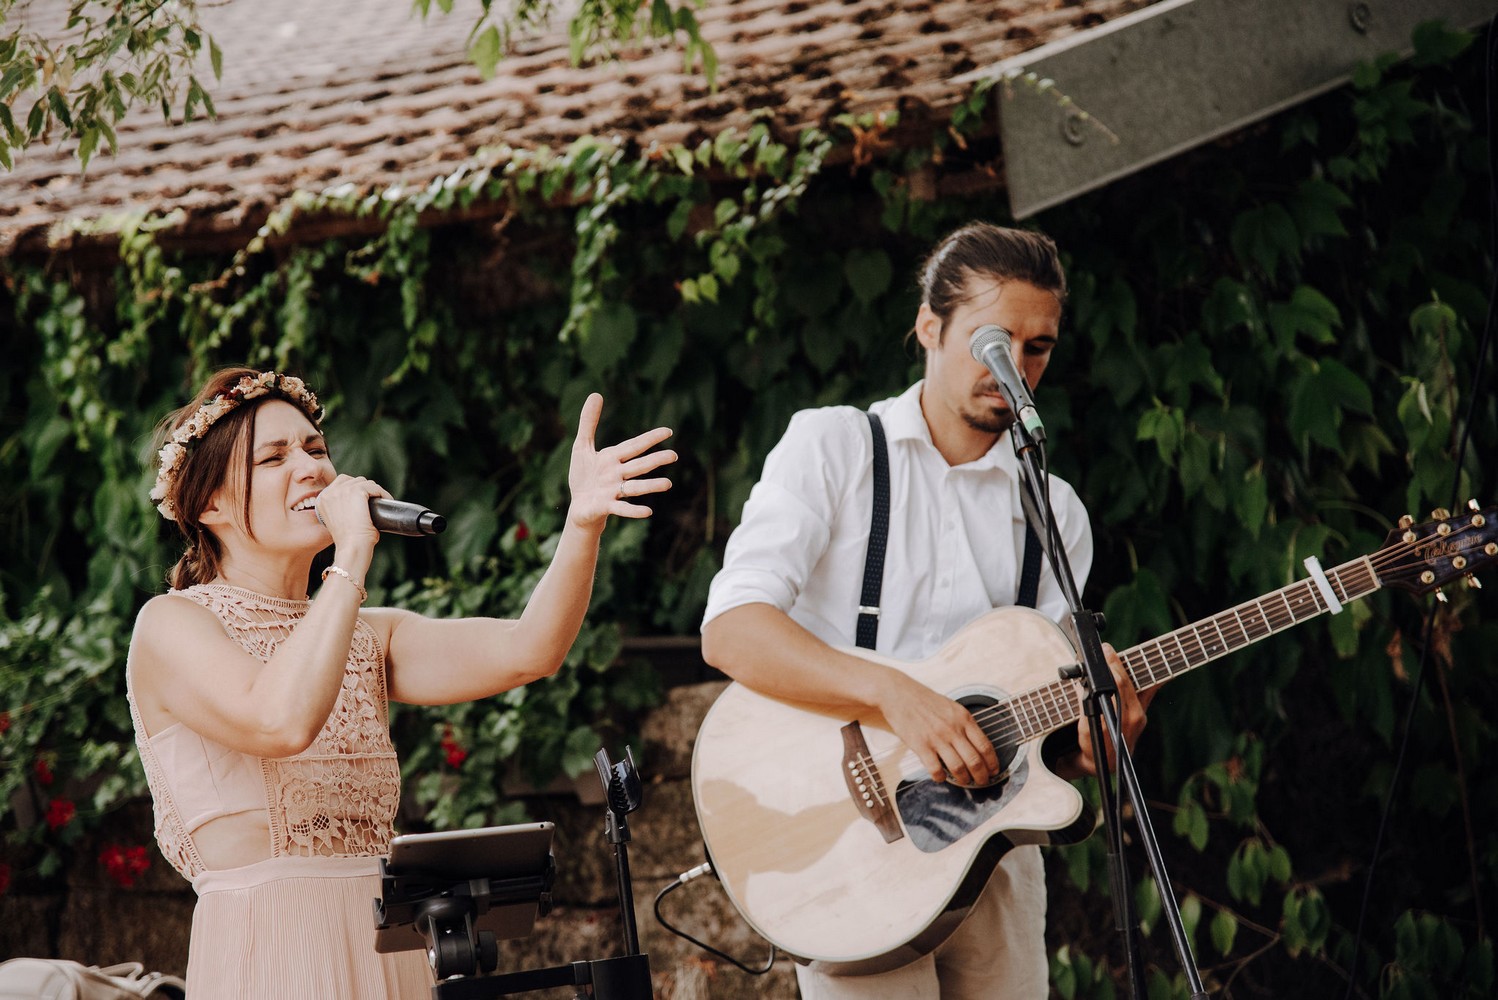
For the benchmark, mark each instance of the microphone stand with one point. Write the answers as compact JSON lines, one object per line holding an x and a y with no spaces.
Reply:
{"x":1101,"y":703}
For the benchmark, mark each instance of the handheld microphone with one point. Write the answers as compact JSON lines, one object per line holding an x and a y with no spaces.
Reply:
{"x":397,"y":517}
{"x":990,"y":346}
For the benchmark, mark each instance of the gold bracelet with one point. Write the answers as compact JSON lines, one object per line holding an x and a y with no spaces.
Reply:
{"x":340,"y":571}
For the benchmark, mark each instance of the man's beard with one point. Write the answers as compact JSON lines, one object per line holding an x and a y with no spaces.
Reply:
{"x":988,"y":420}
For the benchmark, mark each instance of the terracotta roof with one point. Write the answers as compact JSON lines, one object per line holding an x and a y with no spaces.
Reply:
{"x":318,"y":93}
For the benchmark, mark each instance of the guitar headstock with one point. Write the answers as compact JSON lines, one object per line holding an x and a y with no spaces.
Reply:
{"x":1423,"y":557}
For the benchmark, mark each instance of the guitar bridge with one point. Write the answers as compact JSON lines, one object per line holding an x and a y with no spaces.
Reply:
{"x":866,"y":786}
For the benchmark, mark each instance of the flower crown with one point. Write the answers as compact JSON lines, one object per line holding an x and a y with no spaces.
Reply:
{"x":176,"y":449}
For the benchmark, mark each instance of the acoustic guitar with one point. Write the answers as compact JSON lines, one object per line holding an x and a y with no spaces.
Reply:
{"x":832,"y":840}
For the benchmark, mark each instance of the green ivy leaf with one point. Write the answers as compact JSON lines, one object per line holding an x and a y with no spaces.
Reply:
{"x":485,"y":51}
{"x":868,"y":271}
{"x":1308,"y":313}
{"x":1316,"y":207}
{"x":1266,"y":237}
{"x":1147,"y":904}
{"x":1437,"y":44}
{"x":1224,"y":932}
{"x":609,"y":337}
{"x":577,"y":753}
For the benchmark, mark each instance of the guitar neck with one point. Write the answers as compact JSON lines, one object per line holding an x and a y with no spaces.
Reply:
{"x":1150,"y":664}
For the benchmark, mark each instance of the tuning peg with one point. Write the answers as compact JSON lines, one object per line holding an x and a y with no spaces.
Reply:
{"x":1405,"y":522}
{"x":1440,"y":595}
{"x":1474,"y":582}
{"x":1473,"y":505}
{"x":1440,"y":514}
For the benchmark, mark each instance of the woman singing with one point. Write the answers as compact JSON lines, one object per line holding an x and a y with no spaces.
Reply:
{"x":261,"y":713}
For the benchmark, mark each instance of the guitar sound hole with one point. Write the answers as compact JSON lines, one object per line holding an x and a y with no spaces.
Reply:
{"x":938,"y":814}
{"x":993,"y":722}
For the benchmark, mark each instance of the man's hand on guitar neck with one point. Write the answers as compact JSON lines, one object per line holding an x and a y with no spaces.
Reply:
{"x":1131,"y":709}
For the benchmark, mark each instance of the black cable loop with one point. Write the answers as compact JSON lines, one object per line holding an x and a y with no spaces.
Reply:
{"x":678,"y":883}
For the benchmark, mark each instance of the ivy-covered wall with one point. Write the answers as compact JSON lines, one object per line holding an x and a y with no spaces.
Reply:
{"x":1268,"y":354}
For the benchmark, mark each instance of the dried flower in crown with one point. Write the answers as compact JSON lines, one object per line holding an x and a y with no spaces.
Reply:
{"x":176,"y":449}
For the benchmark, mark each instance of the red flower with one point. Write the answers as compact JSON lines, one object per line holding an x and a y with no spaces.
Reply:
{"x":124,"y":864}
{"x":43,"y":771}
{"x":59,"y":813}
{"x":4,"y":723}
{"x":522,"y":531}
{"x":453,"y":749}
{"x":4,"y":877}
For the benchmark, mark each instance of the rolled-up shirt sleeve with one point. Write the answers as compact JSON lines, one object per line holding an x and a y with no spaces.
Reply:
{"x":787,"y":521}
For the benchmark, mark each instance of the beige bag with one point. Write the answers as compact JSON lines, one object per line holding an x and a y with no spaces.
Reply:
{"x":60,"y":979}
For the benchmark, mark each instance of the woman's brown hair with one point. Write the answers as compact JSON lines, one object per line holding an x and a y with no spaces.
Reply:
{"x":206,"y":469}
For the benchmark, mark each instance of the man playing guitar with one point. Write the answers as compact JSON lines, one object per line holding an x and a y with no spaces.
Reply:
{"x":789,"y":591}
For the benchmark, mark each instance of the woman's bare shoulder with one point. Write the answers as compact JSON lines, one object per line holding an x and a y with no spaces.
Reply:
{"x":167,"y":621}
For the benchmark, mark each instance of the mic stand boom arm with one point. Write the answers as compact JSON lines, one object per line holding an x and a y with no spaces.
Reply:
{"x":1101,"y":702}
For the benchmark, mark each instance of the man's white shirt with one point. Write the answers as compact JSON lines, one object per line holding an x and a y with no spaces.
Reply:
{"x":956,"y":533}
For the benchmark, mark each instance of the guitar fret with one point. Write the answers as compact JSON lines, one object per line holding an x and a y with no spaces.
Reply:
{"x":1230,"y":622}
{"x":1054,"y":702}
{"x":1263,"y":622}
{"x":1304,"y":592}
{"x":1242,"y":629}
{"x":1042,"y":707}
{"x":1149,"y":660}
{"x":1185,"y":657}
{"x":1167,"y":666}
{"x":1356,"y":579}
{"x":1042,"y":710}
{"x":1222,"y":643}
{"x":1024,"y":714}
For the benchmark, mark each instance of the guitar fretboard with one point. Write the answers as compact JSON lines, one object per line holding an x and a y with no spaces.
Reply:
{"x":1052,"y":706}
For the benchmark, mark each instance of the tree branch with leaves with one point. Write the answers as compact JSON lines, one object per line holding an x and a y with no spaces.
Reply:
{"x":108,"y":56}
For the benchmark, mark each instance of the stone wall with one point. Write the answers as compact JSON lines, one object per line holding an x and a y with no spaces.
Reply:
{"x":83,"y":915}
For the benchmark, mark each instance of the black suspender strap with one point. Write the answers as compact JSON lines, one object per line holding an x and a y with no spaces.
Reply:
{"x":1029,"y":580}
{"x":873,"y":564}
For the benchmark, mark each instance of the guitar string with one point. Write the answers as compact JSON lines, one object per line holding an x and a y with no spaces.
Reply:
{"x":1064,"y":708}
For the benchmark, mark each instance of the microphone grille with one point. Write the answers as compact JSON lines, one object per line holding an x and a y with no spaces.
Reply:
{"x":985,"y":337}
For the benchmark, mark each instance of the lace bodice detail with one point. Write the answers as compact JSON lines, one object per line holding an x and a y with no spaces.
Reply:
{"x":336,"y":798}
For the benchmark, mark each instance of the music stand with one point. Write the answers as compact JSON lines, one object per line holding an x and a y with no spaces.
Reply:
{"x":459,"y":892}
{"x":433,"y":896}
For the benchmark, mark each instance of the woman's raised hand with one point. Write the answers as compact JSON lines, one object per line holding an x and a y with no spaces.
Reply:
{"x":603,"y":482}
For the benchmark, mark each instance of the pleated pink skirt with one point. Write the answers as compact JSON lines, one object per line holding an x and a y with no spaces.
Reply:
{"x":294,"y":928}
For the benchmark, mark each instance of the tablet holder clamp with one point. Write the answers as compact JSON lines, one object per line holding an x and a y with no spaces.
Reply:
{"x":444,"y":912}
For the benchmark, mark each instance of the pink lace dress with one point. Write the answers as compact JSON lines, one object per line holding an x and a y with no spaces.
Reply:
{"x":299,"y":922}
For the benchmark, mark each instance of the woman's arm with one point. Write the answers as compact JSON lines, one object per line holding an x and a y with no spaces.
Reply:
{"x":440,"y":662}
{"x":186,"y":669}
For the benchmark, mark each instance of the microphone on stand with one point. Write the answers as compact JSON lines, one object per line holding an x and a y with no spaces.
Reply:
{"x":989,"y":345}
{"x":397,"y":517}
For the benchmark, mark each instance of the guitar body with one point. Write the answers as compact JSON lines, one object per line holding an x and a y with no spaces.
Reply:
{"x":862,"y":878}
